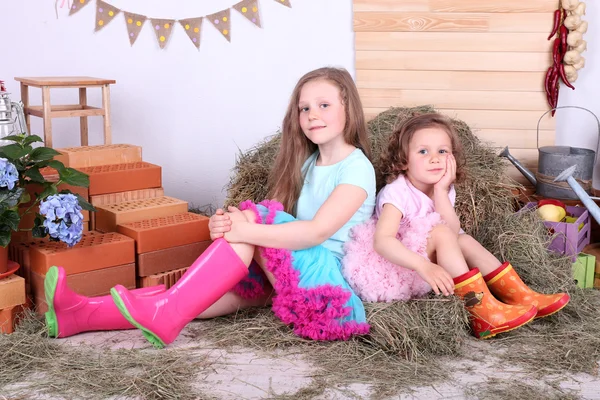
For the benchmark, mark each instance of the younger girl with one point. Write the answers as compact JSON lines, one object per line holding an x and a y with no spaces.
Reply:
{"x":323,"y":175}
{"x":415,"y":243}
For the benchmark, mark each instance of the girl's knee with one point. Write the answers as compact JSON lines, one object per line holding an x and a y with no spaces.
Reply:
{"x":250,"y":216}
{"x":463,"y":238}
{"x":443,"y":232}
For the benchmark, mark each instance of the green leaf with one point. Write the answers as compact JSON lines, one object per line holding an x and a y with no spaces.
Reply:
{"x":14,"y":138}
{"x":39,"y":230}
{"x":11,"y":219}
{"x":84,"y":203}
{"x":26,"y":198}
{"x":32,"y":139}
{"x":10,"y":198}
{"x":73,"y":177}
{"x":15,"y":151}
{"x":57,"y":165}
{"x":43,"y":154}
{"x":48,"y":191}
{"x":35,"y":175}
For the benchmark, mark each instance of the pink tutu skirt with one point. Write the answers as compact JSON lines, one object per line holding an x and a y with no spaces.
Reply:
{"x":375,"y":279}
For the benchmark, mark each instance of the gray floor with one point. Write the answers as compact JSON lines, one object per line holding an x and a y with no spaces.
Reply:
{"x":246,"y":375}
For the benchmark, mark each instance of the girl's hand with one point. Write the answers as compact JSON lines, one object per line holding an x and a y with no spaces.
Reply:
{"x":449,"y":176}
{"x":237,"y":220}
{"x":437,"y":277}
{"x":218,"y":224}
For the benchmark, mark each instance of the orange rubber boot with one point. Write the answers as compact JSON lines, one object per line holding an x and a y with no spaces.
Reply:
{"x":507,"y":286}
{"x":489,"y":317}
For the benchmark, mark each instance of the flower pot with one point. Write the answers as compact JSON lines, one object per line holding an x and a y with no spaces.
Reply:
{"x":3,"y":259}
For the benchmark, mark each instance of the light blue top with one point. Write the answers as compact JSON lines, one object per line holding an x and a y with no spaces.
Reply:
{"x":319,"y":183}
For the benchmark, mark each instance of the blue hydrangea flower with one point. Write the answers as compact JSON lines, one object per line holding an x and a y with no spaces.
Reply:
{"x":63,"y":218}
{"x":8,"y":174}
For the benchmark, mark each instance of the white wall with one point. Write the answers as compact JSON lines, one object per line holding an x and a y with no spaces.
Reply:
{"x":575,"y":127}
{"x":189,"y":110}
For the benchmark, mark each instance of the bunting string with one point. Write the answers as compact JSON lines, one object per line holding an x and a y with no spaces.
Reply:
{"x":163,"y":28}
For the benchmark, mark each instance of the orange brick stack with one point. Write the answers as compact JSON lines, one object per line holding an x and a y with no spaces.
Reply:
{"x":137,"y":236}
{"x":166,"y":244}
{"x":130,"y":201}
{"x":93,"y":266}
{"x":12,"y":301}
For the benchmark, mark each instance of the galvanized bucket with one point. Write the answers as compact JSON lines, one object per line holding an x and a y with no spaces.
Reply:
{"x":552,"y":160}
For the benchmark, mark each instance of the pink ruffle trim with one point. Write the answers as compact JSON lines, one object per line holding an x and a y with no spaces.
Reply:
{"x":252,"y":285}
{"x":315,"y":313}
{"x":375,"y":279}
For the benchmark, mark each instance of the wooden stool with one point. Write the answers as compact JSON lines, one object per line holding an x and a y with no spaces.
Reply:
{"x":82,"y":110}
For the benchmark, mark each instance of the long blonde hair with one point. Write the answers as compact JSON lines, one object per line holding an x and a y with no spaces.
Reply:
{"x":286,"y":179}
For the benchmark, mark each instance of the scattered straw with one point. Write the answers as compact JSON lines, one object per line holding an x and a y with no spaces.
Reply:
{"x":502,"y":389}
{"x":32,"y":363}
{"x":397,"y":354}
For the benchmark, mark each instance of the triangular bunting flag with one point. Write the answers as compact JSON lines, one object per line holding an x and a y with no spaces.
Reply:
{"x":249,"y":9}
{"x":78,"y":5}
{"x":285,"y":3}
{"x":163,"y":29}
{"x":192,"y":27}
{"x":134,"y":23}
{"x":221,"y":21}
{"x":104,"y":14}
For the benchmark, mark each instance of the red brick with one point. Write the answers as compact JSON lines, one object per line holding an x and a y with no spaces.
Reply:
{"x":95,"y":251}
{"x":161,"y":233}
{"x":40,"y":306}
{"x":12,"y":291}
{"x":93,"y":283}
{"x":121,"y":197}
{"x":156,"y":262}
{"x":19,"y":253}
{"x":10,"y":316}
{"x":109,"y":216}
{"x":166,"y":278}
{"x":123,"y":177}
{"x":105,"y":154}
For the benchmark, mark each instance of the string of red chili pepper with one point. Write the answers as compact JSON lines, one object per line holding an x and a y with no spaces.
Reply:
{"x":557,"y":69}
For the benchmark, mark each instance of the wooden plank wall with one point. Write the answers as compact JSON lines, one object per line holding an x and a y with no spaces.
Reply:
{"x":480,"y":61}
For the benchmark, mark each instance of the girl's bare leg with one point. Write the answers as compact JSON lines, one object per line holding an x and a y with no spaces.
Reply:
{"x":232,"y":302}
{"x":476,"y":255}
{"x":443,"y":249}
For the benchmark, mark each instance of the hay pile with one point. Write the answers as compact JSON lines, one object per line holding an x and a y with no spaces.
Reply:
{"x":567,"y":341}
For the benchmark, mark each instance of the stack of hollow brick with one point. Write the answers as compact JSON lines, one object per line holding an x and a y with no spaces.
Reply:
{"x":12,"y":301}
{"x":168,"y":238}
{"x":137,"y":237}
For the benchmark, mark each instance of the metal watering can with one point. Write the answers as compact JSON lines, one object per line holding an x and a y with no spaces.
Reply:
{"x":8,"y":125}
{"x":553,"y":160}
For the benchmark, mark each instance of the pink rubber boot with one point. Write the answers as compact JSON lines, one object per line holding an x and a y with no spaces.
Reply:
{"x":161,"y":317}
{"x":70,"y":313}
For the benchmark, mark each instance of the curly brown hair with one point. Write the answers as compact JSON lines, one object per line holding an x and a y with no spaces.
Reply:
{"x":393,"y":161}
